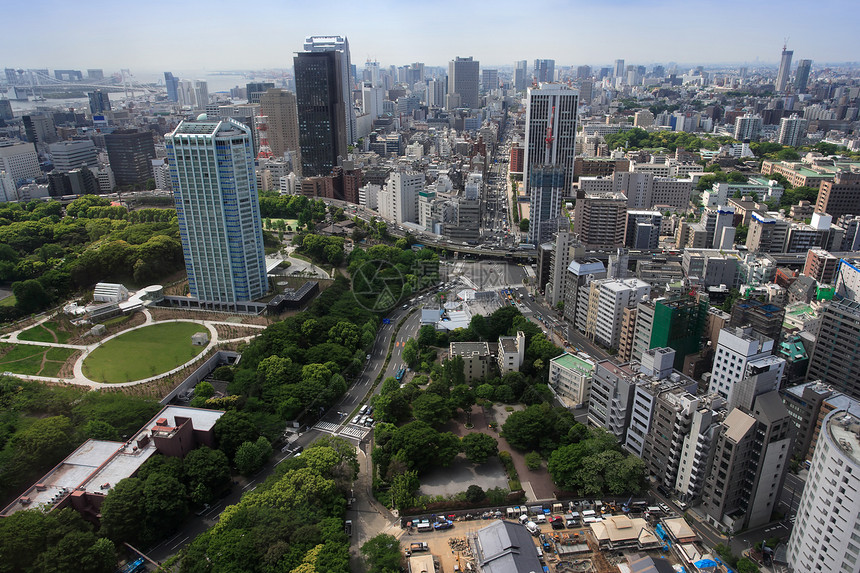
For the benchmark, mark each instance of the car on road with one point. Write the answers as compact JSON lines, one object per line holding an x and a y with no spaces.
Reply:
{"x":447,"y":524}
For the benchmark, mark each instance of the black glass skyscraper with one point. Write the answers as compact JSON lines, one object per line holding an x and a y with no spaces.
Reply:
{"x":321,"y":110}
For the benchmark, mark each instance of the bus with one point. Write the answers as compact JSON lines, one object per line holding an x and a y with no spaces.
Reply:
{"x":400,"y":374}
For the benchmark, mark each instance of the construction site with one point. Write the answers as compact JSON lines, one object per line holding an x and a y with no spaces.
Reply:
{"x":610,"y":544}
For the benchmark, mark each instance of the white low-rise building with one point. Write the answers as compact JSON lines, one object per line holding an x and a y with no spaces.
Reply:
{"x":570,"y":378}
{"x":512,"y":350}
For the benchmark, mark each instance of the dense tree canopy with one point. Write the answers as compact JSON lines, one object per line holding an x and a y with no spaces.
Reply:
{"x":291,"y":522}
{"x":56,"y":542}
{"x":592,"y":464}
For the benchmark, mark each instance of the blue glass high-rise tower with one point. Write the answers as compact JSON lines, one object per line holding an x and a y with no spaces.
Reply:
{"x":215,"y":190}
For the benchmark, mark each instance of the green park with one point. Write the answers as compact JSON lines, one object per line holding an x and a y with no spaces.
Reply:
{"x":143,"y":352}
{"x":33,"y":360}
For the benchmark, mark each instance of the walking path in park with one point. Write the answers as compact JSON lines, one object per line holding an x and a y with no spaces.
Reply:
{"x":78,"y":378}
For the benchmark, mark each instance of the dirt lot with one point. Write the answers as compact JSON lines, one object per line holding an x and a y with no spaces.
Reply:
{"x":461,"y":474}
{"x":537,"y":484}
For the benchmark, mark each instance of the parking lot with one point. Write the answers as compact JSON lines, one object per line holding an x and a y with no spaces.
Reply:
{"x":564,"y":550}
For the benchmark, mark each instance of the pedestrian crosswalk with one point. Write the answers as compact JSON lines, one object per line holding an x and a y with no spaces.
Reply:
{"x":349,"y":431}
{"x":357,"y":432}
{"x":327,"y":427}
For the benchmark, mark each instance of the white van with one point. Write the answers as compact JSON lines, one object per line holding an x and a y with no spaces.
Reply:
{"x":588,"y":513}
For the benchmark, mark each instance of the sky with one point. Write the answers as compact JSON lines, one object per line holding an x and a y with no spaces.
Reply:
{"x":158,"y":35}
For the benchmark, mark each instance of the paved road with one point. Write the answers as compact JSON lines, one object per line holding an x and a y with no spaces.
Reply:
{"x":348,"y":402}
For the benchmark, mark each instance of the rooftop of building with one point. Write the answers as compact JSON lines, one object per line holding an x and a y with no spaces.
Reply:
{"x":621,"y":528}
{"x":470,"y":349}
{"x":738,"y":424}
{"x":844,"y":428}
{"x":792,"y":349}
{"x":573,"y":362}
{"x":815,"y":385}
{"x":508,"y":344}
{"x":759,"y":307}
{"x":505,"y":547}
{"x":96,"y":466}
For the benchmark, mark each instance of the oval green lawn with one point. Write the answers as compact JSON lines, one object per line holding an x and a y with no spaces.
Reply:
{"x":144,"y":352}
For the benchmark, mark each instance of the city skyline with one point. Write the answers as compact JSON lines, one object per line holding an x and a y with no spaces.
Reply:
{"x":578,"y":33}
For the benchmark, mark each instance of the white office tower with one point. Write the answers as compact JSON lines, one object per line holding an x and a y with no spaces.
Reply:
{"x":340,"y":44}
{"x":215,"y":190}
{"x":826,"y":534}
{"x":398,"y":200}
{"x":551,"y":147}
{"x":19,"y":160}
{"x":371,"y":99}
{"x":68,"y":155}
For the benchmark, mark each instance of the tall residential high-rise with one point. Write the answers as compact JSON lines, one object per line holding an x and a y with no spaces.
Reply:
{"x":130,"y":154}
{"x":172,"y":84}
{"x":835,"y":359}
{"x":550,"y":142}
{"x":254,"y":90}
{"x":99,"y":102}
{"x":201,"y":93}
{"x":618,"y":70}
{"x":521,"y":71}
{"x":741,"y":355}
{"x":323,"y":127}
{"x":280,"y":107}
{"x":824,"y":537}
{"x":791,"y":130}
{"x":215,"y":190}
{"x":784,"y":70}
{"x":600,"y":219}
{"x":544,"y":71}
{"x":801,"y":79}
{"x":750,"y":462}
{"x":564,"y":249}
{"x":489,"y":79}
{"x":748,"y":126}
{"x":463,"y":80}
{"x":340,"y":44}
